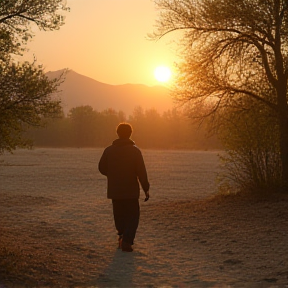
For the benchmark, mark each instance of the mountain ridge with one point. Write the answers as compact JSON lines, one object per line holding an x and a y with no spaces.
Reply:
{"x":78,"y":90}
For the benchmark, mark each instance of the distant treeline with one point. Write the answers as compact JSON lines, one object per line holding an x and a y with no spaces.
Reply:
{"x":85,"y":127}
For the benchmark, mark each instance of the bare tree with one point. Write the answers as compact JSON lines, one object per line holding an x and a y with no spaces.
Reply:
{"x":232,"y":51}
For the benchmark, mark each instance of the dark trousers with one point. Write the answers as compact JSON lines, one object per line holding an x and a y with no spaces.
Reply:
{"x":126,"y":217}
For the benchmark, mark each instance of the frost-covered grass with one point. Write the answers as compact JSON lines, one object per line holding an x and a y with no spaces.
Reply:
{"x":57,"y":229}
{"x":68,"y":172}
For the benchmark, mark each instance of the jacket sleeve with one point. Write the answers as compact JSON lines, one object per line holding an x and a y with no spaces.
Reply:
{"x":142,"y":173}
{"x":103,"y":165}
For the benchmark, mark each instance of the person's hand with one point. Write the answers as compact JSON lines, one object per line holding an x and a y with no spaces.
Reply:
{"x":147,"y":196}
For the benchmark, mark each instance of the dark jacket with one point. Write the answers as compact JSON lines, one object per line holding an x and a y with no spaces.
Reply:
{"x":123,"y":164}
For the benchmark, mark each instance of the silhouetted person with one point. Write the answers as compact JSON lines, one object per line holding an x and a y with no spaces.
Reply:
{"x":123,"y":164}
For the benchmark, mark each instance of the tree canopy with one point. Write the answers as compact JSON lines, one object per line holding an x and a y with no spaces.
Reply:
{"x":234,"y":57}
{"x":25,"y":92}
{"x":17,"y":18}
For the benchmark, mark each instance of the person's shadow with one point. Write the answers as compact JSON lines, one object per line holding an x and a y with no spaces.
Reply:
{"x":120,"y":272}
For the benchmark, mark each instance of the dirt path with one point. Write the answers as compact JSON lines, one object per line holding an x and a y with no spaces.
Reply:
{"x":221,"y":242}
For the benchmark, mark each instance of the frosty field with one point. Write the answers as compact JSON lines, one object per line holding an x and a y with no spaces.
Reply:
{"x":57,"y":226}
{"x":74,"y":172}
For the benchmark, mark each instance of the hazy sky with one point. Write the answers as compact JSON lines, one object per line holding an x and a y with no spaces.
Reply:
{"x":107,"y":41}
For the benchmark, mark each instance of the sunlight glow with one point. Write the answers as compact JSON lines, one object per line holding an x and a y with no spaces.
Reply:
{"x":162,"y":73}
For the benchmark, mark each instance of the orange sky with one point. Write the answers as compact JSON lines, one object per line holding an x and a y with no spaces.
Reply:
{"x":107,"y":41}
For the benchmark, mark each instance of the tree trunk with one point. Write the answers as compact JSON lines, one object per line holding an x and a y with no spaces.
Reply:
{"x":284,"y":152}
{"x":283,"y":129}
{"x":281,"y":98}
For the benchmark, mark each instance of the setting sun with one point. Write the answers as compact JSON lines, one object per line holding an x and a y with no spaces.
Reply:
{"x":162,"y":73}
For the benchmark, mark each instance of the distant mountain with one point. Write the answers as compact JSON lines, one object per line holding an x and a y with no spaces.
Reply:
{"x":78,"y":90}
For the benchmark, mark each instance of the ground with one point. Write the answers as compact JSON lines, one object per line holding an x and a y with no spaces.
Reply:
{"x":219,"y":241}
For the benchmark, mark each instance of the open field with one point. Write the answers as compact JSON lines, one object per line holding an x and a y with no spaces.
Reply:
{"x":66,"y":173}
{"x":57,"y":226}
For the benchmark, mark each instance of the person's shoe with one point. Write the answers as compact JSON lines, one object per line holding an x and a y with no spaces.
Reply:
{"x":126,"y":247}
{"x":120,"y":239}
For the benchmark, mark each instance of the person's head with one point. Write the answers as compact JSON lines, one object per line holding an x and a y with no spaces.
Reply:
{"x":124,"y":130}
